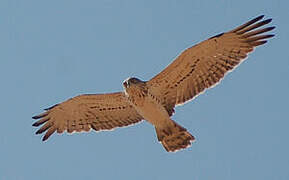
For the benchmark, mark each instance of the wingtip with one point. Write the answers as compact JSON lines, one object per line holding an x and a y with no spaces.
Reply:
{"x":270,"y":35}
{"x":35,"y":124}
{"x":40,"y":115}
{"x":46,"y":136}
{"x":259,"y":43}
{"x":258,"y":18}
{"x":270,"y":28}
{"x":268,"y":20}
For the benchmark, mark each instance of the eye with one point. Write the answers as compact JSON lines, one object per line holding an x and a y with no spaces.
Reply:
{"x":125,"y":84}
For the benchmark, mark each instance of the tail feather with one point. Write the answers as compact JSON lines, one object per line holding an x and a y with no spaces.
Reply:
{"x":174,"y":137}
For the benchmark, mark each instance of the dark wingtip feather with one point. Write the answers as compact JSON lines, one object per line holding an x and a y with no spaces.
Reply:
{"x":258,"y":43}
{"x":247,"y":24}
{"x":48,"y":134}
{"x":262,"y":42}
{"x":35,"y":124}
{"x":270,"y":28}
{"x":40,"y":115}
{"x":44,"y":138}
{"x":257,"y":32}
{"x":267,"y":21}
{"x":38,"y":132}
{"x":41,"y":121}
{"x":260,"y":17}
{"x":270,"y":35}
{"x":246,"y":29}
{"x":257,"y":38}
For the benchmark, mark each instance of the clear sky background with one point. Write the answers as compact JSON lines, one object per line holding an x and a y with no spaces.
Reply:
{"x":53,"y":50}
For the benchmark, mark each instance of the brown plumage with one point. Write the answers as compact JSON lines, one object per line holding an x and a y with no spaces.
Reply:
{"x":88,"y":111}
{"x":196,"y":69}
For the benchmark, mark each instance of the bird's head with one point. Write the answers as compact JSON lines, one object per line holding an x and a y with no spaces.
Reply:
{"x":132,"y":82}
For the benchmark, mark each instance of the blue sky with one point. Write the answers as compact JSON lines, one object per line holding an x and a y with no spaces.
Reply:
{"x":54,"y":50}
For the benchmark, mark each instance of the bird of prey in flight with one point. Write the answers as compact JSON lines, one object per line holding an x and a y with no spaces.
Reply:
{"x":196,"y":69}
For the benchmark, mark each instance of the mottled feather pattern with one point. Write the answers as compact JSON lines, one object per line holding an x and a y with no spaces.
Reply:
{"x":202,"y":66}
{"x":174,"y":137}
{"x":139,"y":95}
{"x":85,"y":112}
{"x":196,"y":69}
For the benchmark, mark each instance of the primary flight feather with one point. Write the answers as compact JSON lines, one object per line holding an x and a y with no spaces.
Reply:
{"x":196,"y":69}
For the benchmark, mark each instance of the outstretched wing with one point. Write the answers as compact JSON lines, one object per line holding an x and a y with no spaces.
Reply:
{"x":81,"y":113}
{"x":205,"y":64}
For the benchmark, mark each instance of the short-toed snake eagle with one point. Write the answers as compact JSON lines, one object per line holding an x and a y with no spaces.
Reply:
{"x":196,"y":69}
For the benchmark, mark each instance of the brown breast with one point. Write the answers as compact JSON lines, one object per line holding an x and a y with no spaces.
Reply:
{"x":137,"y":94}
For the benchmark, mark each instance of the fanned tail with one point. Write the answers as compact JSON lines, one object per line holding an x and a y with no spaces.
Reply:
{"x":174,"y":137}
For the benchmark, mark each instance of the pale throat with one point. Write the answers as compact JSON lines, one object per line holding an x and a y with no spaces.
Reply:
{"x":125,"y":92}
